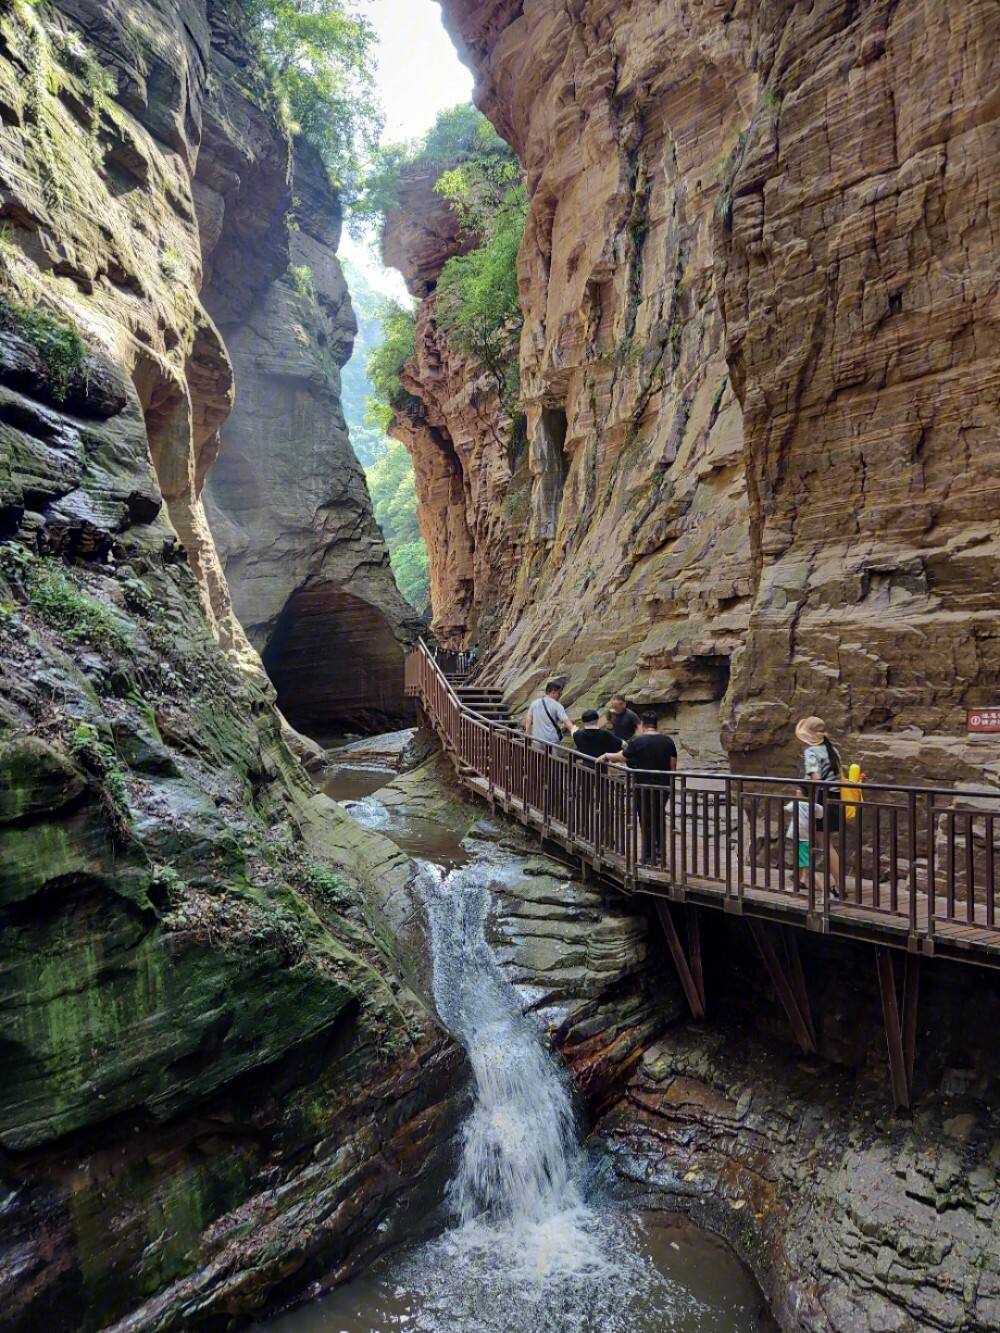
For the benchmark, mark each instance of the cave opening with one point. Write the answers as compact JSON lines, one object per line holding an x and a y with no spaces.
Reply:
{"x":553,"y":427}
{"x":336,"y":665}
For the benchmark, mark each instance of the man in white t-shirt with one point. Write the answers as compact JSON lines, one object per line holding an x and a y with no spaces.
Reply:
{"x":546,"y":718}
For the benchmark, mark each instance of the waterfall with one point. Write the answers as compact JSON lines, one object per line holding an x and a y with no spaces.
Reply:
{"x":521,"y":1159}
{"x":533,"y":1246}
{"x":529,"y":1251}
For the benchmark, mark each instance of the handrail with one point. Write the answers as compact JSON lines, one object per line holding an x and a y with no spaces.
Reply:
{"x":918,"y":859}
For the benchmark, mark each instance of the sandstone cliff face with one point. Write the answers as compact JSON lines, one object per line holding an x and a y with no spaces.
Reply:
{"x":759,"y":285}
{"x":469,"y":459}
{"x":290,"y":512}
{"x":213,"y":1084}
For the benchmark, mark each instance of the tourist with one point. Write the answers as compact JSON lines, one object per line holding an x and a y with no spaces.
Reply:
{"x":798,"y":831}
{"x":624,"y":723}
{"x":592,"y":739}
{"x":822,"y":764}
{"x":546,"y":719}
{"x":654,"y":756}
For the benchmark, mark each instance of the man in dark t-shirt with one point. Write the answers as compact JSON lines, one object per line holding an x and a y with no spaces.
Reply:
{"x":624,"y":722}
{"x":654,"y":757}
{"x":594,"y":740}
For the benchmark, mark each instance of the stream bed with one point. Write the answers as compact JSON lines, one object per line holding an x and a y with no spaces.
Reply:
{"x":534,"y":1241}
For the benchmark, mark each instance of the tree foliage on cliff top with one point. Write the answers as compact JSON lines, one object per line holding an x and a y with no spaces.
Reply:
{"x":458,"y":135}
{"x":322,"y":56}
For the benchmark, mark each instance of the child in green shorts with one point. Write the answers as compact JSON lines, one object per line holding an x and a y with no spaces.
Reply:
{"x":798,"y":828}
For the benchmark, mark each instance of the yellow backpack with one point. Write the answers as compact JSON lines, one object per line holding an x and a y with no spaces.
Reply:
{"x":851,"y":794}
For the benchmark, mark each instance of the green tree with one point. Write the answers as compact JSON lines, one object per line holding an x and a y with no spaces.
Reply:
{"x":321,"y":54}
{"x":394,"y":500}
{"x":385,"y":364}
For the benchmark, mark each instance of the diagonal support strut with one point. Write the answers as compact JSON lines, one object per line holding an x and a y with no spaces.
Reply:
{"x":789,"y":986}
{"x":900,"y":1027}
{"x":689,"y":971}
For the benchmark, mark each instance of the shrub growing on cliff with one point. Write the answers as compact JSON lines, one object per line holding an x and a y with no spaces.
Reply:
{"x":386,"y":362}
{"x":301,"y":280}
{"x":54,"y":594}
{"x":479,"y":304}
{"x":321,"y":54}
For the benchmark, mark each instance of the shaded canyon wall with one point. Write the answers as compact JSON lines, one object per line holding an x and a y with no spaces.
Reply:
{"x":287,"y":499}
{"x":214,"y":1086}
{"x":758,"y":368}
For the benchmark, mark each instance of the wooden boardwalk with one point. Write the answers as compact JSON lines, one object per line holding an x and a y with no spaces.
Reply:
{"x":911,"y":870}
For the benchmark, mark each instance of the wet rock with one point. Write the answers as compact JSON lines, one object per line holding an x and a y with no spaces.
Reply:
{"x":216,"y":1086}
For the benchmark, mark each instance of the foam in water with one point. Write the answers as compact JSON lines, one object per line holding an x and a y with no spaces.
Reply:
{"x":533,"y":1248}
{"x":527,"y":1243}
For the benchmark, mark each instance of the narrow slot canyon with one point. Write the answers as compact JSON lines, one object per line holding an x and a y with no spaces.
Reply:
{"x":499,"y":666}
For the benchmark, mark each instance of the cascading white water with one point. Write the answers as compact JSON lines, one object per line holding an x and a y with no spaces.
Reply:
{"x":533,"y":1248}
{"x":531,"y":1253}
{"x":520,"y":1158}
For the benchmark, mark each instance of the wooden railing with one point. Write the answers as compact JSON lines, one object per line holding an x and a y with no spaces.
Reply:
{"x":912,"y":866}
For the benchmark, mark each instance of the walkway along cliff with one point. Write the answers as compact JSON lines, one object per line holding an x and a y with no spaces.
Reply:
{"x":758,"y":366}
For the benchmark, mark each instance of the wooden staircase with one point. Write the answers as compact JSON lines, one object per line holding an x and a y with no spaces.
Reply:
{"x":488,"y":703}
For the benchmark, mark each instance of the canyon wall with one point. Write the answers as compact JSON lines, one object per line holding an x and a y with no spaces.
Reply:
{"x":287,"y":500}
{"x":759,"y":281}
{"x":214,"y":1087}
{"x":469,"y":460}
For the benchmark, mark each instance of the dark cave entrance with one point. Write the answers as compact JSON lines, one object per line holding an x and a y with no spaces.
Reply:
{"x":553,"y":428}
{"x":337,"y":666}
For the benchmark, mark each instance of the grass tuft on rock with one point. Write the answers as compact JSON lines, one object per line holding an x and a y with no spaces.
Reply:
{"x":56,"y":596}
{"x":62,"y":351}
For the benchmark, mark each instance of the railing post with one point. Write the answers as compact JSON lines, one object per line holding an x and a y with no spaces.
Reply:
{"x":630,"y":824}
{"x":739,"y":840}
{"x":931,"y":905}
{"x":912,"y":828}
{"x":729,"y":835}
{"x":571,"y":798}
{"x":684,"y":838}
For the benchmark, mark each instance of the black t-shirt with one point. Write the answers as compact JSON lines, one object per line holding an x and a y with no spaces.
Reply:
{"x":649,"y":750}
{"x":625,"y":724}
{"x":595,"y":741}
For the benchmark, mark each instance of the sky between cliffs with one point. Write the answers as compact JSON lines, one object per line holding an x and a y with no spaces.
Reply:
{"x":419,"y":75}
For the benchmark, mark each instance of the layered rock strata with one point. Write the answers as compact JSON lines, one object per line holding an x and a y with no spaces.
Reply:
{"x":289,"y":507}
{"x":758,"y":363}
{"x":215,"y":1090}
{"x":470,"y":462}
{"x":852,"y":1219}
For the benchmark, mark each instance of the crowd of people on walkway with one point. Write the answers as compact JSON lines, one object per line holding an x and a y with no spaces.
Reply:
{"x":624,"y":736}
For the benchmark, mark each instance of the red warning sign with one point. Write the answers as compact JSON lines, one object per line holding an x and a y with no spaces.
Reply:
{"x":983,"y":721}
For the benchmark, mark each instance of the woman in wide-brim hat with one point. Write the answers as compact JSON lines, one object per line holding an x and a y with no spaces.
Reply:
{"x":822,"y":764}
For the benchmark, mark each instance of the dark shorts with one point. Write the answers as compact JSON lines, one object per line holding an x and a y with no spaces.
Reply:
{"x":831,"y":820}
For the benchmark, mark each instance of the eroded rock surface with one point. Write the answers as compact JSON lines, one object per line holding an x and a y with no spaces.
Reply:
{"x":289,"y":507}
{"x":214,"y":1087}
{"x":760,"y":292}
{"x":852,"y":1218}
